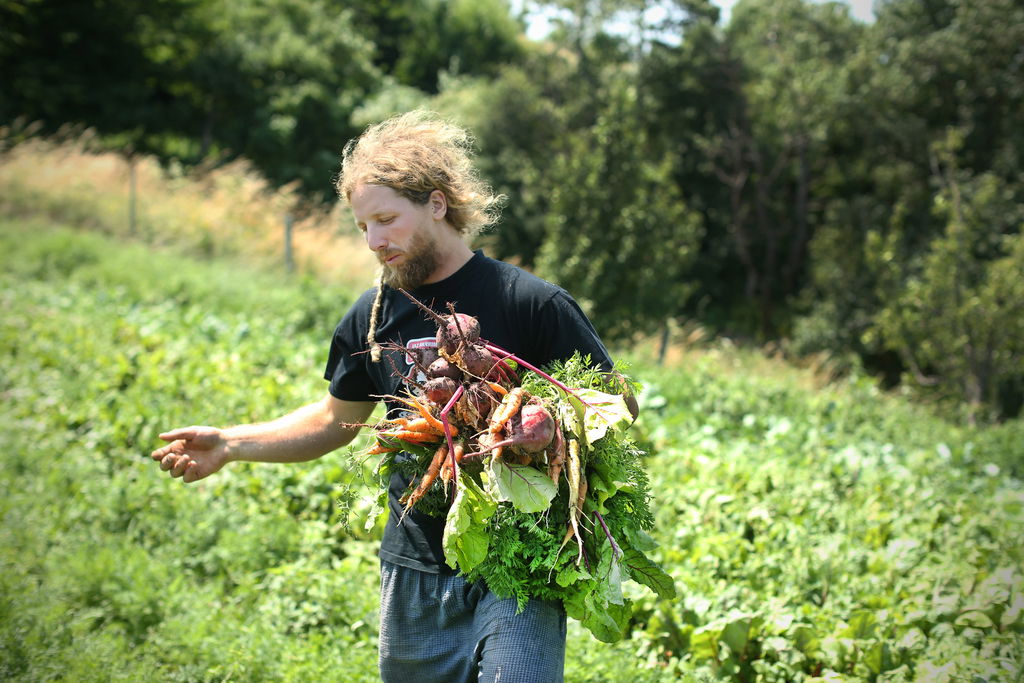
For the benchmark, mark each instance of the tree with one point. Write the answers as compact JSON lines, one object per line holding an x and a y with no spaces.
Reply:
{"x":957,"y":313}
{"x":923,"y":69}
{"x":89,"y":62}
{"x":774,"y":145}
{"x":417,"y":40}
{"x":277,"y":82}
{"x":272,"y":80}
{"x":617,"y":229}
{"x":518,"y":131}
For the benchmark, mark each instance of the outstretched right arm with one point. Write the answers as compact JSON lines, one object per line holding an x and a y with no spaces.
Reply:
{"x":305,"y":434}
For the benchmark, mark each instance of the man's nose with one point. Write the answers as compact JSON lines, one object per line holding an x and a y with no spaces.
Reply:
{"x":376,"y":239}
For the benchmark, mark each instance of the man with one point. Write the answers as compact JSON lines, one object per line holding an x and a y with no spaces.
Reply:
{"x":415,"y":196}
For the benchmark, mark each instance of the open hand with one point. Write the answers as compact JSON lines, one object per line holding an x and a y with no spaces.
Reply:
{"x":194,"y":452}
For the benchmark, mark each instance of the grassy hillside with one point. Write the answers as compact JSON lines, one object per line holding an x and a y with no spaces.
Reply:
{"x":223,"y":211}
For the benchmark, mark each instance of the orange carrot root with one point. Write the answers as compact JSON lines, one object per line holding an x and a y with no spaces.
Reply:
{"x":414,"y":437}
{"x":503,"y":413}
{"x":497,"y":388}
{"x":421,"y":425}
{"x":428,"y":477}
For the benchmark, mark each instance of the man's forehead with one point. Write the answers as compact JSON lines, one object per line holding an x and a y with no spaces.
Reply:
{"x":368,"y":198}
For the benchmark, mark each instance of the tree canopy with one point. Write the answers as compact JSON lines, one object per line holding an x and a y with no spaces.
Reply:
{"x":795,"y":175}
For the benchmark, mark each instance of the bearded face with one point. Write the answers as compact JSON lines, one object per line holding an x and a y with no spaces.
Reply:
{"x":419,"y":261}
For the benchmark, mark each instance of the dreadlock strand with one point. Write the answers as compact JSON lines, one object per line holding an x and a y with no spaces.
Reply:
{"x":374,"y":312}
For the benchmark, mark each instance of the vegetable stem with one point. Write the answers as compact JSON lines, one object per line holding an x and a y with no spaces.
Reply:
{"x":448,"y":437}
{"x":616,"y":551}
{"x":505,"y":354}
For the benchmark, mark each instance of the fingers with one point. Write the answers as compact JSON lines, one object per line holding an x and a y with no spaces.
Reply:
{"x":169,"y":460}
{"x":178,"y":458}
{"x":184,"y":433}
{"x":160,"y":453}
{"x":178,"y":468}
{"x":175,"y":461}
{"x":191,"y":473}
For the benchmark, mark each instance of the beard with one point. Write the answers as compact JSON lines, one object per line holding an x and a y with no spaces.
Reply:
{"x":421,"y":260}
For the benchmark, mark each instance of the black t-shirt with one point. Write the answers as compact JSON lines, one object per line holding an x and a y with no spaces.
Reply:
{"x":519,"y":312}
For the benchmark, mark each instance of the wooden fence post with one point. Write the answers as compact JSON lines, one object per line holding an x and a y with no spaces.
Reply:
{"x":663,"y":346}
{"x":289,"y":260}
{"x":132,"y":195}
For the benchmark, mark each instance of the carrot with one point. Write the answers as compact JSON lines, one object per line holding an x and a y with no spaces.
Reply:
{"x":414,"y":437}
{"x":421,"y":425}
{"x":447,"y":469}
{"x":577,"y":491}
{"x":556,"y":465}
{"x":503,"y":413}
{"x":428,"y":478}
{"x":379,"y":449}
{"x":498,"y":389}
{"x":425,"y":414}
{"x":557,"y":453}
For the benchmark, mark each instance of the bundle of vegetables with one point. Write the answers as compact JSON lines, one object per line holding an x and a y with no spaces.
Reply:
{"x":545,"y":495}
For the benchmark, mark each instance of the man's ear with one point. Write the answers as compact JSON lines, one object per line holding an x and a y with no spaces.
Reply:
{"x":438,"y":204}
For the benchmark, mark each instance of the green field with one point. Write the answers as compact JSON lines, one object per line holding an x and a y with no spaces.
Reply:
{"x":813,"y":534}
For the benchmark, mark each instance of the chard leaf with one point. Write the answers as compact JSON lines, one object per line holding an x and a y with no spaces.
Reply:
{"x":640,"y":539}
{"x":466,"y":539}
{"x":609,"y":573}
{"x":704,"y":642}
{"x":526,"y":487}
{"x":601,"y":412}
{"x":570,"y":413}
{"x":605,"y":480}
{"x":643,"y":571}
{"x":613,"y":583}
{"x":606,"y":621}
{"x":736,"y":633}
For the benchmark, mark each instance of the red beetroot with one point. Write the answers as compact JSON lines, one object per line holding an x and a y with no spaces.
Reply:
{"x":482,"y":397}
{"x":440,"y":390}
{"x":477,"y":360}
{"x":426,"y":356}
{"x":476,"y":404}
{"x":442,"y":368}
{"x":457,"y":329}
{"x":532,"y":429}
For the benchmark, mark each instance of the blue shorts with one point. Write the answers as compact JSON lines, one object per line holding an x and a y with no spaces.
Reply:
{"x":438,"y":627}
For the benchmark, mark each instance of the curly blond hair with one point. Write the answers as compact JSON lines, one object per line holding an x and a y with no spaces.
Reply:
{"x":414,"y":154}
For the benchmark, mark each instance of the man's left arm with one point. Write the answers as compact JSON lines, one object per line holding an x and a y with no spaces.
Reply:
{"x":569,"y":330}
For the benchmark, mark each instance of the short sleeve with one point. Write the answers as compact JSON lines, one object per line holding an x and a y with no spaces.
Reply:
{"x":565,"y":329}
{"x":346,"y":361}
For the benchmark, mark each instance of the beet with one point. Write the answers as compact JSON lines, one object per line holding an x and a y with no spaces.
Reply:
{"x":482,"y":398}
{"x":477,"y":360}
{"x":457,"y":328}
{"x":442,"y":368}
{"x":440,"y":390}
{"x":533,"y":428}
{"x":426,"y":356}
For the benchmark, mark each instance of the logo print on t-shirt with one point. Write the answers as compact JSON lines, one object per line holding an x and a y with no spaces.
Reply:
{"x":425,"y":349}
